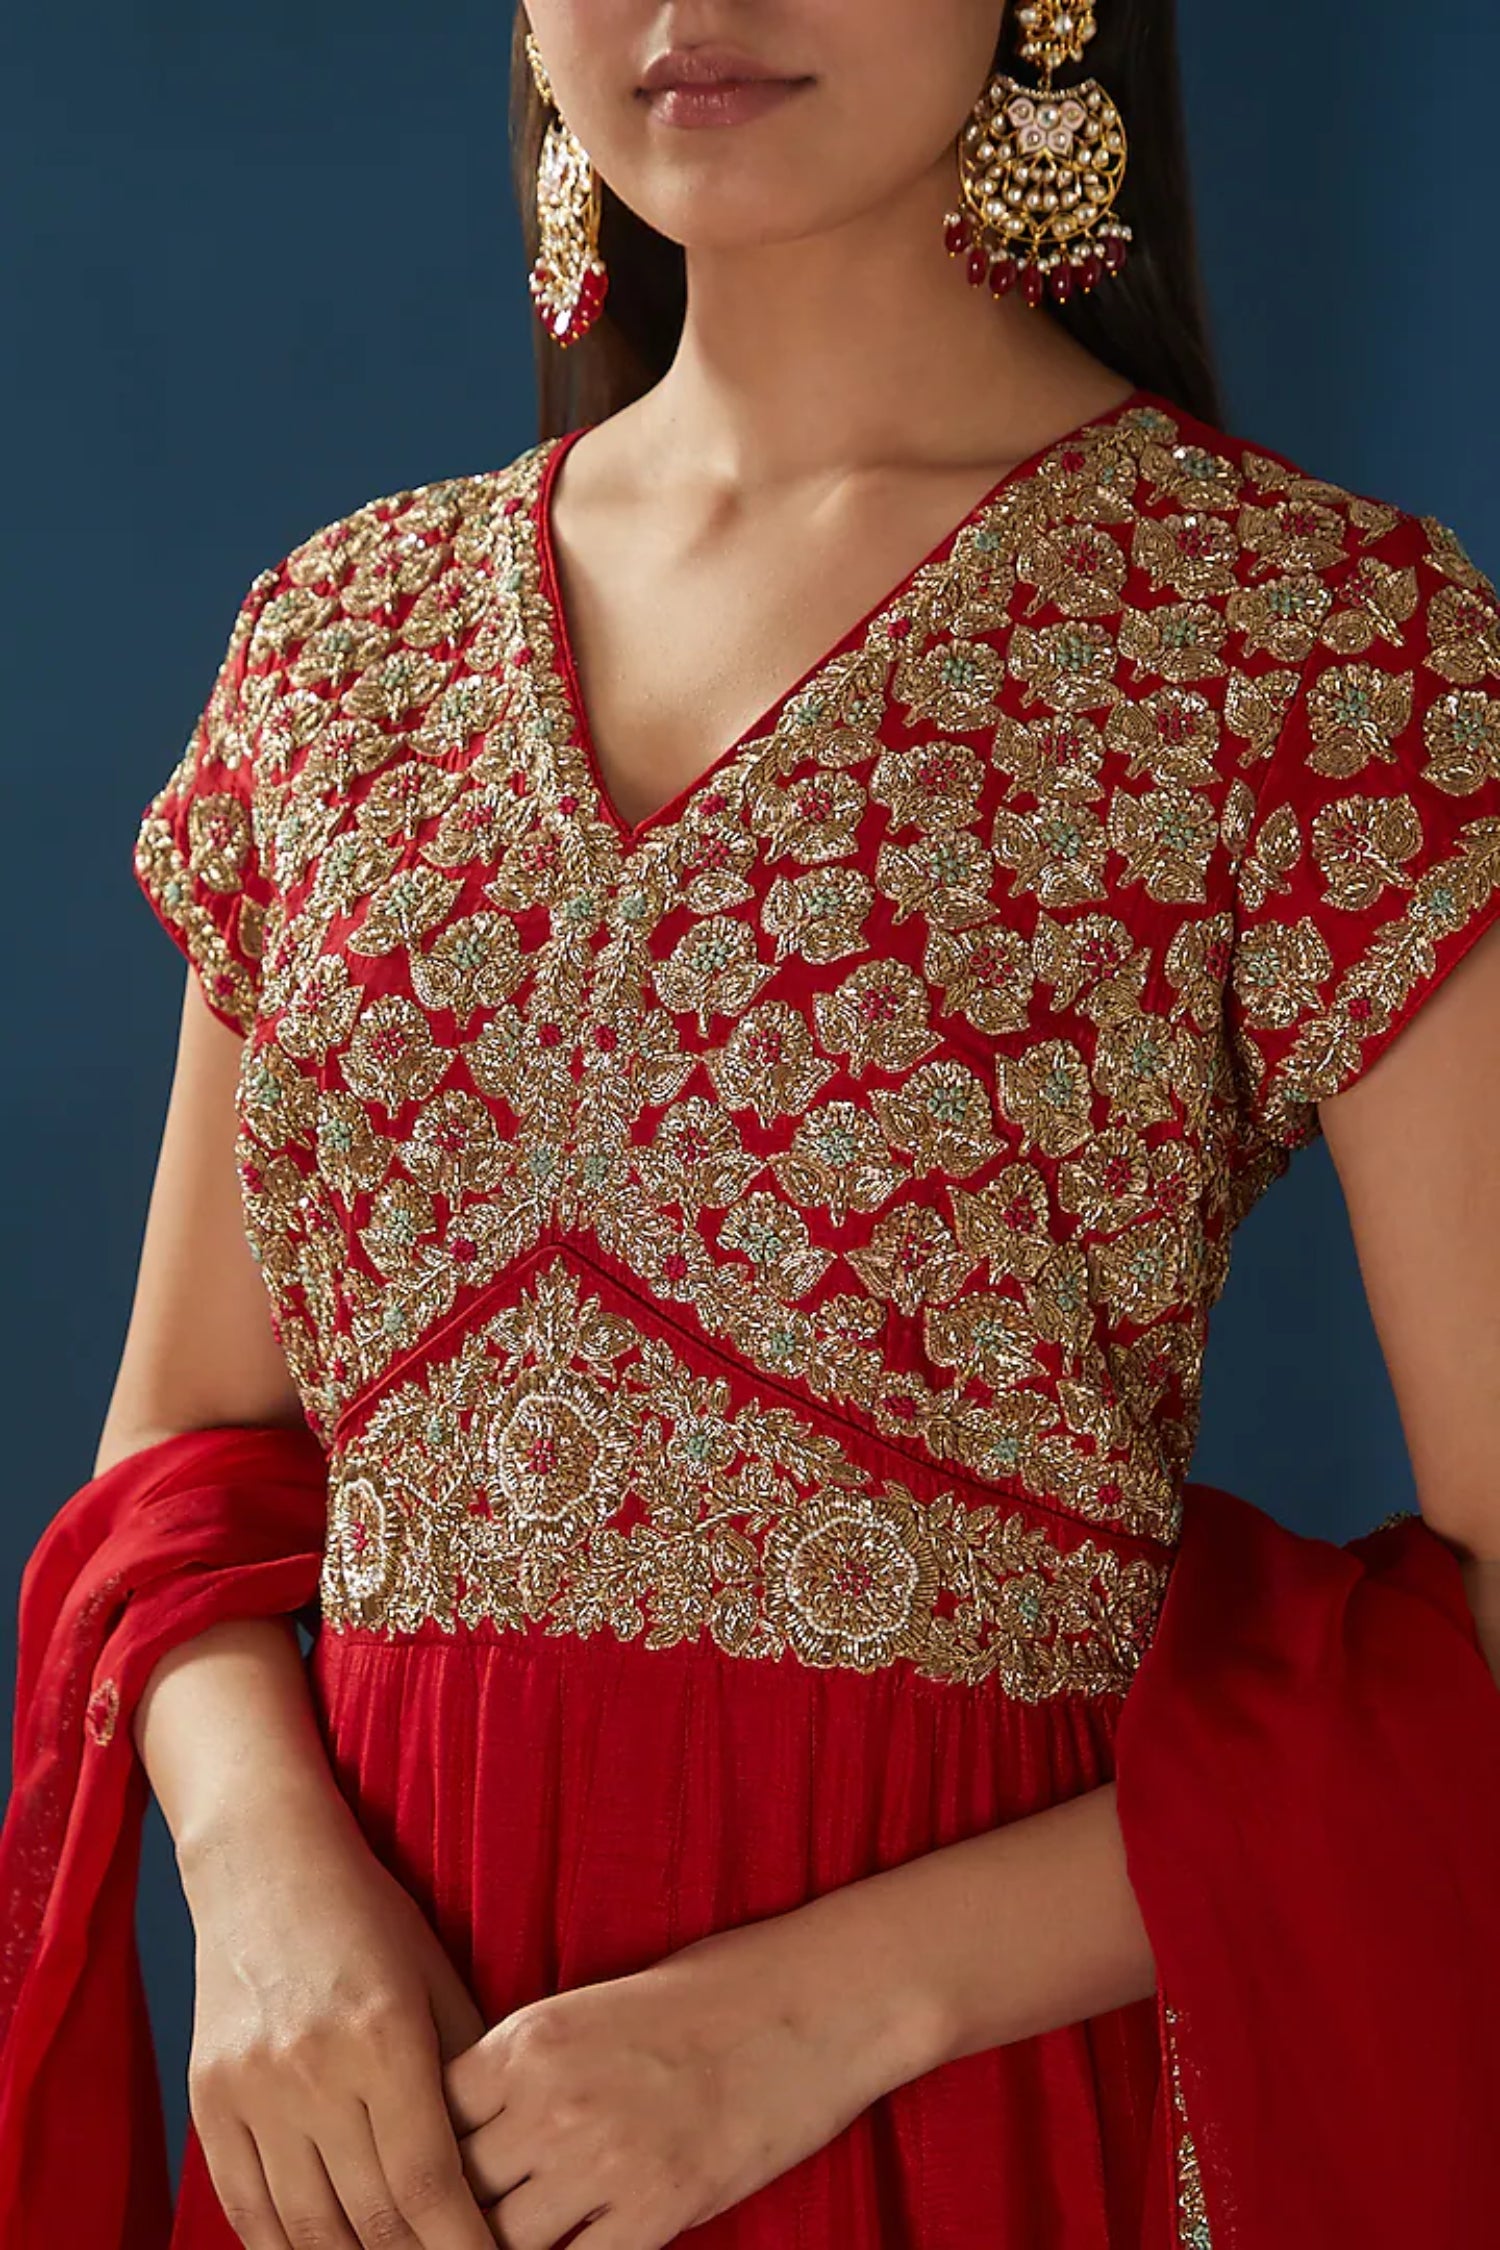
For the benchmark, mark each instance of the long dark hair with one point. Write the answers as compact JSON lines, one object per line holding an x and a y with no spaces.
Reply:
{"x":1148,"y":322}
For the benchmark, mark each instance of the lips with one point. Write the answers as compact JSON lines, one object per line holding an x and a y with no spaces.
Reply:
{"x":708,"y":67}
{"x":715,"y":85}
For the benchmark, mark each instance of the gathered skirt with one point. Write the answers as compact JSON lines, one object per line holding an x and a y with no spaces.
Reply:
{"x":567,"y":1809}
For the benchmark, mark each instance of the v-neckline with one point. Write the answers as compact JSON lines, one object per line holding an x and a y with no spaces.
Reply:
{"x":765,"y":723}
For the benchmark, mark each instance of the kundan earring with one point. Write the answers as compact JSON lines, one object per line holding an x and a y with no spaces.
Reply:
{"x":1039,"y":171}
{"x":568,"y":279}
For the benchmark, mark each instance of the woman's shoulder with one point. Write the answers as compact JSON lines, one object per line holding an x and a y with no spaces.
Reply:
{"x":397,"y":568}
{"x":387,"y":536}
{"x":1280,"y":519}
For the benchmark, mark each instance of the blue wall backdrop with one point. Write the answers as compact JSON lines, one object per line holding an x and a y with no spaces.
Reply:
{"x":263,"y":265}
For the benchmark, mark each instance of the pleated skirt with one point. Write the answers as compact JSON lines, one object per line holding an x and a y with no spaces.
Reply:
{"x":567,"y":1809}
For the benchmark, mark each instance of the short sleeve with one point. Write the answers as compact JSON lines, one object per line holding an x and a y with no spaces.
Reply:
{"x":1372,"y":860}
{"x":197,"y":856}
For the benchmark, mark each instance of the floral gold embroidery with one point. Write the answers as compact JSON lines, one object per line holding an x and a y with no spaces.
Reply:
{"x":1355,"y":713}
{"x":944,"y":878}
{"x":712,"y":971}
{"x":1056,"y":853}
{"x":920,"y":1066}
{"x":1351,"y":904}
{"x":1180,"y":641}
{"x":101,"y":1714}
{"x":941,"y":1117}
{"x":877,"y":1018}
{"x":1166,"y":837}
{"x":565,"y":1466}
{"x":838,"y":1162}
{"x":957,"y":682}
{"x":169,"y":876}
{"x":913,"y":1259}
{"x":1069,"y":666}
{"x":1191,"y":555}
{"x":769,"y":1063}
{"x":1282,"y":617}
{"x":1465,"y":635}
{"x":1360,"y":844}
{"x":821,"y":917}
{"x":1256,"y":708}
{"x":984,"y":974}
{"x":1462,"y":735}
{"x":1047,"y":1091}
{"x":935,"y":785}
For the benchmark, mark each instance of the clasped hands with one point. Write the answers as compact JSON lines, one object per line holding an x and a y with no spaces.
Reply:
{"x":346,"y":2089}
{"x":636,"y":2108}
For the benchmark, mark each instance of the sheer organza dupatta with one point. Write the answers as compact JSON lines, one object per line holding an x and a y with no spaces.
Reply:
{"x":1308,"y":1783}
{"x":212,"y":1524}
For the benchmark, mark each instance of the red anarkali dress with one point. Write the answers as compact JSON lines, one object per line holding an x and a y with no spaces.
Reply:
{"x":749,"y":1271}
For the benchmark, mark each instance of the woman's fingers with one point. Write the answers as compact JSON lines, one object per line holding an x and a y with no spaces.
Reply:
{"x":539,"y":2214}
{"x":418,"y":2155}
{"x":313,"y":2162}
{"x":308,"y":2208}
{"x":326,"y":2012}
{"x":608,"y":2232}
{"x":359,"y":2190}
{"x":233,"y":2164}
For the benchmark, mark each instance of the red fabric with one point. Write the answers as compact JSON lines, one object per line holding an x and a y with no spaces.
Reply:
{"x":1130,"y":826}
{"x":568,"y":1808}
{"x":1309,"y":1792}
{"x":1309,"y":1786}
{"x":210,"y":1524}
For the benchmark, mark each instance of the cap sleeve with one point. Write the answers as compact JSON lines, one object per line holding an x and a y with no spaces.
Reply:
{"x":1372,"y":861}
{"x":197,"y":851}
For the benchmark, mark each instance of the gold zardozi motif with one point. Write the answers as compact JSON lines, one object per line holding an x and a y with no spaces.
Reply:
{"x":566,"y":1465}
{"x":1193,"y":2231}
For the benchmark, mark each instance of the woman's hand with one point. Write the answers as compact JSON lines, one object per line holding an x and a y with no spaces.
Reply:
{"x":325,"y":2009}
{"x":649,"y":2103}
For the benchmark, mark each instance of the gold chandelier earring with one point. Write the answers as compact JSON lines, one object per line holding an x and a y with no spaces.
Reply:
{"x":568,"y":279}
{"x":1039,"y":171}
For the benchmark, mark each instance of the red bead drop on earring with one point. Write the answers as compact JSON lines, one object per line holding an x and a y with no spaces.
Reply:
{"x":1074,"y":273}
{"x":565,"y":324}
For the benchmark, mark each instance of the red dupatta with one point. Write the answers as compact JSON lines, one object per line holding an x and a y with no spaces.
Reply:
{"x":210,"y":1524}
{"x":1308,"y":1783}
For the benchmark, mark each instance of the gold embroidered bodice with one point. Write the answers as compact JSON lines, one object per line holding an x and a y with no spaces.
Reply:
{"x":795,"y":1222}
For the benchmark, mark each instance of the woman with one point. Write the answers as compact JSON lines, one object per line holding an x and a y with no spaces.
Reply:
{"x":738,"y":1173}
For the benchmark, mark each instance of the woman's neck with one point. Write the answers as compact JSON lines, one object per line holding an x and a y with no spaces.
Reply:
{"x":862,"y":344}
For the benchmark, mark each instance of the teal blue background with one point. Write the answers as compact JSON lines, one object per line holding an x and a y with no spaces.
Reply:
{"x":262,"y":265}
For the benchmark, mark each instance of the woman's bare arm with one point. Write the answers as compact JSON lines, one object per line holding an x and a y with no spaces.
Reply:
{"x":1417,"y":1148}
{"x":199,"y":1349}
{"x":325,"y":2003}
{"x":225,"y":1727}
